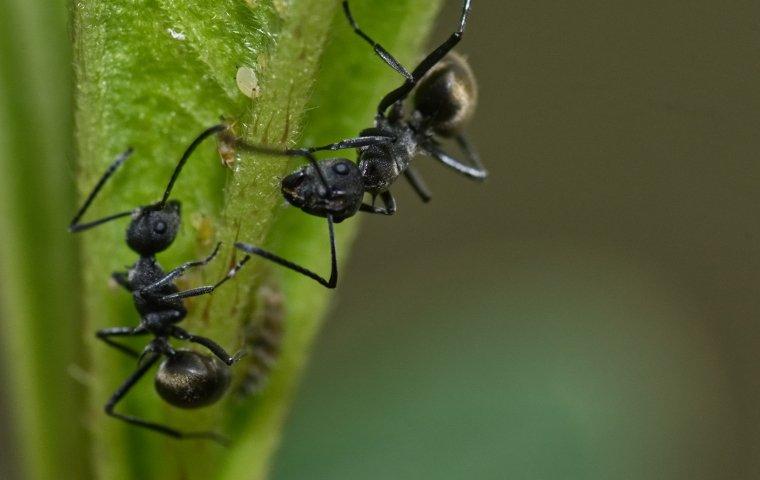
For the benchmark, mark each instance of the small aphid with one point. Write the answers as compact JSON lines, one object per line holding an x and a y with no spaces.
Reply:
{"x":264,"y":341}
{"x":176,"y":35}
{"x":185,"y":379}
{"x":444,"y":99}
{"x":247,"y":82}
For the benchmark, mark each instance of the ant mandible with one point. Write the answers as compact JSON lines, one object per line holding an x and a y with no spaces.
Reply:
{"x":445,"y":98}
{"x":185,"y":379}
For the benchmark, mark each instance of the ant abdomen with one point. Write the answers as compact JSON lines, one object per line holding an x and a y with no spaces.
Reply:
{"x":189,"y":379}
{"x":446,"y":97}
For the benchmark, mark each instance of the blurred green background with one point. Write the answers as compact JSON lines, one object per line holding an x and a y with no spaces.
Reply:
{"x":591,"y":312}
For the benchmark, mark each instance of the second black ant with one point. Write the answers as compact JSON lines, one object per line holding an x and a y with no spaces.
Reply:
{"x":444,"y":100}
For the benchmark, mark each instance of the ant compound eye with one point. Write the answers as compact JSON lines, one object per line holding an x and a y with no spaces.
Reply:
{"x":341,"y":168}
{"x":159,"y":227}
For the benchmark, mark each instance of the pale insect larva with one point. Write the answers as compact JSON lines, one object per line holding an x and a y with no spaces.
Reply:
{"x":263,"y":341}
{"x":247,"y":82}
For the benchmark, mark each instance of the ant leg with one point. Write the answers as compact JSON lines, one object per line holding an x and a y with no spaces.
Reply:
{"x":417,"y":183}
{"x":379,"y":50}
{"x":358,"y":142}
{"x":196,"y":292}
{"x":470,"y":152}
{"x":427,"y":63}
{"x":308,"y":153}
{"x":179,"y":271}
{"x":156,"y":427}
{"x":475,"y":173}
{"x":214,"y":347}
{"x":331,"y":283}
{"x":75,"y":226}
{"x":106,"y":333}
{"x":388,"y":201}
{"x":122,"y":279}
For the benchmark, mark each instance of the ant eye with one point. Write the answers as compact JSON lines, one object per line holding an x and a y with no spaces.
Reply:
{"x":341,"y":168}
{"x":159,"y":227}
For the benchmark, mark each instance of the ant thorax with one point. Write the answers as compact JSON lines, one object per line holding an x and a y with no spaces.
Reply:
{"x":382,"y":164}
{"x":144,"y":272}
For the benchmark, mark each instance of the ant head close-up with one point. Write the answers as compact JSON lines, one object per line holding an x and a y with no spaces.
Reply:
{"x":154,"y":228}
{"x":335,"y":188}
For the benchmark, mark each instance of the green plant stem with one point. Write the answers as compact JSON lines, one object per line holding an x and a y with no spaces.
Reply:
{"x":152,"y":75}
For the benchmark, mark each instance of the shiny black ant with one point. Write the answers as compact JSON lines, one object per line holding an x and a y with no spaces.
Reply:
{"x":445,"y":97}
{"x":185,"y":379}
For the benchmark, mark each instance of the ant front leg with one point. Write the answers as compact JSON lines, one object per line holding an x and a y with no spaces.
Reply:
{"x":106,"y":333}
{"x":368,"y":138}
{"x":179,"y":271}
{"x":358,"y":142}
{"x":196,"y":292}
{"x":388,"y":201}
{"x":331,"y":283}
{"x":214,"y":347}
{"x":130,"y":382}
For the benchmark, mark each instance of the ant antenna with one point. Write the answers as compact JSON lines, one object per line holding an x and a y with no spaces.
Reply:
{"x":185,"y":156}
{"x":301,"y":152}
{"x":75,"y":226}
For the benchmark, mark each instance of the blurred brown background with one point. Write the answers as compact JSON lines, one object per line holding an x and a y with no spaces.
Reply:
{"x":591,"y":312}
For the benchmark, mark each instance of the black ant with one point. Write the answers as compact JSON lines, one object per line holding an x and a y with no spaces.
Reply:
{"x":185,"y":379}
{"x":445,"y":97}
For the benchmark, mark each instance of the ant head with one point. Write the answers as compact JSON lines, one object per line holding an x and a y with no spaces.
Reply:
{"x":188,"y":379}
{"x":153,"y":228}
{"x":446,"y":96}
{"x":341,"y":198}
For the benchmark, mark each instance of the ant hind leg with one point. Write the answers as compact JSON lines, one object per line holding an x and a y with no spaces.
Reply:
{"x":427,"y":63}
{"x":214,"y":347}
{"x":106,"y":333}
{"x":130,"y":382}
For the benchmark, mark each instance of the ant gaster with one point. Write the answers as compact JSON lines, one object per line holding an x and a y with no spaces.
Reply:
{"x":444,"y":99}
{"x":185,"y":379}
